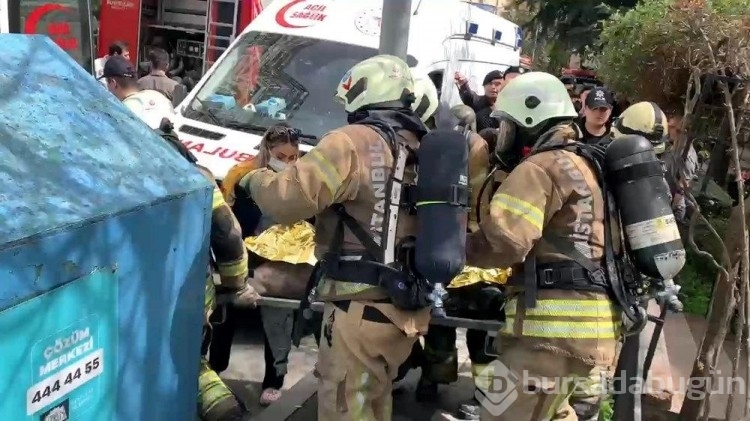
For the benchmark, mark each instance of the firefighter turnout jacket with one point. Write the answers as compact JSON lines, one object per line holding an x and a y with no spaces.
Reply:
{"x":479,"y":162}
{"x":227,"y":245}
{"x":552,"y":193}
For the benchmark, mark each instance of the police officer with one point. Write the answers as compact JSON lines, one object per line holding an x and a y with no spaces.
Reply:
{"x":560,"y":326}
{"x":597,"y":109}
{"x":343,"y":182}
{"x":215,"y":401}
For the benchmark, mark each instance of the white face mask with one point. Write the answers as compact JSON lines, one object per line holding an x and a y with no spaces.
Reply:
{"x":277,"y":165}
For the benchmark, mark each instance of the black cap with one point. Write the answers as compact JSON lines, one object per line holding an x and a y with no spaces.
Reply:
{"x":599,"y":98}
{"x":493,"y":75}
{"x":514,"y":69}
{"x":118,"y":66}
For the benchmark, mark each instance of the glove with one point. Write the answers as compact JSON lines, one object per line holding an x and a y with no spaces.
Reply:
{"x":243,"y":297}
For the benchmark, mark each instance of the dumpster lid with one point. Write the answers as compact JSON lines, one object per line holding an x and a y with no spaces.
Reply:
{"x":70,"y":150}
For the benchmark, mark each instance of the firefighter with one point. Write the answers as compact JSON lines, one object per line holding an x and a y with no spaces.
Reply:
{"x":549,"y":204}
{"x":215,"y":401}
{"x":369,"y":326}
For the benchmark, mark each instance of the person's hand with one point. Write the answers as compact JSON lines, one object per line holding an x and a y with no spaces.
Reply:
{"x":460,"y":79}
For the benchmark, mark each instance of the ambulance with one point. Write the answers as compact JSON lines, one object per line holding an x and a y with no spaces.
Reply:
{"x":285,"y":67}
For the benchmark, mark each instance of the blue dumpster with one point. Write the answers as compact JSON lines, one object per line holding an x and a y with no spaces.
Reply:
{"x":103,"y":251}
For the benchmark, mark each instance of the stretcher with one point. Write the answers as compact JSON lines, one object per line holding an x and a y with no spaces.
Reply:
{"x":490,"y":326}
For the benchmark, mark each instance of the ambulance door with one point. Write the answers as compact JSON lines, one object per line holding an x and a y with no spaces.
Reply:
{"x":67,"y":22}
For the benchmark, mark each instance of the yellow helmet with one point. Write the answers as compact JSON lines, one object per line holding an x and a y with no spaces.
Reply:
{"x":382,"y":79}
{"x":644,"y":119}
{"x":534,"y":98}
{"x":426,"y":96}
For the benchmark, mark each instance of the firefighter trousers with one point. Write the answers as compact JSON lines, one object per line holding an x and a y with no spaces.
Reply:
{"x":215,"y":401}
{"x":440,"y":355}
{"x":533,"y":385}
{"x":359,"y":356}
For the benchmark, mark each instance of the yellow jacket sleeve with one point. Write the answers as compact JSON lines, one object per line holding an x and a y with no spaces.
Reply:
{"x":519,"y":210}
{"x":227,"y":245}
{"x":326,"y":175}
{"x":234,"y":175}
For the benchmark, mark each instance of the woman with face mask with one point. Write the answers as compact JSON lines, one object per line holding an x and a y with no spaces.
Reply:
{"x":278,"y":148}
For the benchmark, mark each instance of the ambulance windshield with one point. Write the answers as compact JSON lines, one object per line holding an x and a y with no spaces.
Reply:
{"x":267,"y":78}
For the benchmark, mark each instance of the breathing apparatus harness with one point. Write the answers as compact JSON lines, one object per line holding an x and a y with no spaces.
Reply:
{"x":615,"y":275}
{"x":389,"y":265}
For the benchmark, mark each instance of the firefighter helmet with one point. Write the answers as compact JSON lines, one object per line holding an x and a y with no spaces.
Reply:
{"x":426,"y":96}
{"x":643,"y":119}
{"x":533,"y":99}
{"x":382,"y":80}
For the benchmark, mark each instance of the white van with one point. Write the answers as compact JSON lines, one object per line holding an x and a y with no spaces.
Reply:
{"x":286,"y":64}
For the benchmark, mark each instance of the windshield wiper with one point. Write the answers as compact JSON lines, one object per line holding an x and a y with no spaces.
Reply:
{"x":246,"y":127}
{"x":206,"y":111}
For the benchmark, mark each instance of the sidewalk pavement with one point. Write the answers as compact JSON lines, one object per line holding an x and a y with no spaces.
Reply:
{"x":683,"y":335}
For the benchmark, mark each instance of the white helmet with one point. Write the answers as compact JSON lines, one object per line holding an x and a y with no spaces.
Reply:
{"x":533,"y":98}
{"x":426,"y":96}
{"x":382,"y":79}
{"x":150,"y":106}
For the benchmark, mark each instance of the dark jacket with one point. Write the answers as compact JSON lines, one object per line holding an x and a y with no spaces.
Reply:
{"x":481,"y":105}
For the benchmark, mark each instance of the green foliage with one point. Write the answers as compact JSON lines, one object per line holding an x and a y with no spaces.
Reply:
{"x":607,"y":409}
{"x":699,"y":275}
{"x":573,"y":23}
{"x":649,"y":51}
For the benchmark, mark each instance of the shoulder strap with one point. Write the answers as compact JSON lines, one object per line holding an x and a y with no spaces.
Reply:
{"x":606,"y":275}
{"x":385,"y":252}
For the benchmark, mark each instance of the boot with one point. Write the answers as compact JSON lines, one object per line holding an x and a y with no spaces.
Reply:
{"x":427,"y":391}
{"x":469,"y":410}
{"x":215,"y":401}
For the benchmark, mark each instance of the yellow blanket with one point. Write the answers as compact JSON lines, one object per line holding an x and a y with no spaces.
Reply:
{"x":295,"y":244}
{"x":472,"y":275}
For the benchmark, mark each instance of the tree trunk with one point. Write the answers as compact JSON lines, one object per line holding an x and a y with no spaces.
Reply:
{"x":722,"y":309}
{"x":719,"y":162}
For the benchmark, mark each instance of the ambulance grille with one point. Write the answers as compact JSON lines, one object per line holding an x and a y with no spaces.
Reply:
{"x":195,"y":131}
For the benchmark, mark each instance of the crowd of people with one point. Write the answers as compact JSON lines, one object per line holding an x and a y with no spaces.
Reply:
{"x":547,"y":209}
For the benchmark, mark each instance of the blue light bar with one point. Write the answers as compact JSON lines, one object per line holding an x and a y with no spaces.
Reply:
{"x":519,"y":38}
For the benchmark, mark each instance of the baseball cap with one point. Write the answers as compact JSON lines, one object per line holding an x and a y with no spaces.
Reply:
{"x":118,"y":66}
{"x":599,"y":98}
{"x":514,"y":69}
